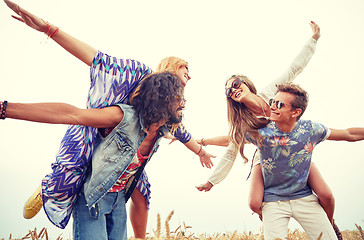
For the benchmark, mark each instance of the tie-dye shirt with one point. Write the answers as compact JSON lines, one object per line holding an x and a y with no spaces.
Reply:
{"x":286,"y":159}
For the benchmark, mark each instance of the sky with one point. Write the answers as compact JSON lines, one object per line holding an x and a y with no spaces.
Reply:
{"x":218,"y":39}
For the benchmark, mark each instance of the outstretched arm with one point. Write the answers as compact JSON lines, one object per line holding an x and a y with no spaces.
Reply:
{"x":349,"y":134}
{"x":62,"y":113}
{"x":77,"y":48}
{"x":222,"y":141}
{"x":297,"y":66}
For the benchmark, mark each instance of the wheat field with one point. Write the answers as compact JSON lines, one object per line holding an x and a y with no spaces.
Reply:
{"x":183,"y":232}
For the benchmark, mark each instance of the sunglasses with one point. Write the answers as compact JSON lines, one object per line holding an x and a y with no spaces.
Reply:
{"x":235,"y":84}
{"x":182,"y":100}
{"x":279,"y":104}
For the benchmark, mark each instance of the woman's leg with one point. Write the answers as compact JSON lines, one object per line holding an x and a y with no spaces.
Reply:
{"x":322,"y":190}
{"x":256,"y":190}
{"x":138,"y":214}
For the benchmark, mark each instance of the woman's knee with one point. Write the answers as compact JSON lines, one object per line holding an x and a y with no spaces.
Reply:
{"x":255,"y":205}
{"x":326,"y":198}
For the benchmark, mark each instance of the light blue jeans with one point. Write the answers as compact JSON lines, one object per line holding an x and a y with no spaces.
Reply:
{"x":110,"y":223}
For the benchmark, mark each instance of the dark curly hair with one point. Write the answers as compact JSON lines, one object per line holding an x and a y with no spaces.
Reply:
{"x":157,"y":97}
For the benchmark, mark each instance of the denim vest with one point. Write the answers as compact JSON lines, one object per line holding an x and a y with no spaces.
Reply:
{"x":113,"y":154}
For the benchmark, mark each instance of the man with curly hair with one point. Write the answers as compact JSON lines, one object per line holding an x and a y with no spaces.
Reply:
{"x":128,"y":136}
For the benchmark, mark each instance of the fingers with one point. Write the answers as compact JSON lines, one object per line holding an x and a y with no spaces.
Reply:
{"x":316,"y":30}
{"x":18,"y":18}
{"x":203,"y":164}
{"x":11,"y":5}
{"x":202,"y":188}
{"x":14,"y":7}
{"x":314,"y":26}
{"x":208,"y":163}
{"x":173,"y":139}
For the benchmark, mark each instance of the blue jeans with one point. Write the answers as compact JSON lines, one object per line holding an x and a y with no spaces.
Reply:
{"x":110,"y":223}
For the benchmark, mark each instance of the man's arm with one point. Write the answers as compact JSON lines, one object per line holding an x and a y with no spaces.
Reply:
{"x":61,"y":113}
{"x":349,"y":134}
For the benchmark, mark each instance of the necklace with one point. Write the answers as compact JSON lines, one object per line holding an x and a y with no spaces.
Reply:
{"x":261,"y":105}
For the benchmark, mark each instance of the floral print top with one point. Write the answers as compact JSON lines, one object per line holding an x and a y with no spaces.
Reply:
{"x":286,"y":158}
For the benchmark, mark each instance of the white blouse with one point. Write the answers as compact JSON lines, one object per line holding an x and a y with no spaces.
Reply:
{"x":296,"y":67}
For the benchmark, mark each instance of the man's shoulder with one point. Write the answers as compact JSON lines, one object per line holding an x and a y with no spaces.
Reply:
{"x":313,"y":128}
{"x":127,"y":109}
{"x":310,"y":123}
{"x":269,"y":127}
{"x":124,"y":106}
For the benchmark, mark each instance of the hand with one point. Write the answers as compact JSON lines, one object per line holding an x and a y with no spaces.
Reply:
{"x":206,"y":160}
{"x":172,"y":140}
{"x":28,"y":18}
{"x":205,"y":187}
{"x":316,"y":30}
{"x":168,"y":135}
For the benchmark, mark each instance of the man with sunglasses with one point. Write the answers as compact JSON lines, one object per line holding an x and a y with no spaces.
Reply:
{"x":286,"y":145}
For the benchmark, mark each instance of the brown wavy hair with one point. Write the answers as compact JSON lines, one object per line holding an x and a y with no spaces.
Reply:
{"x":242,"y":120}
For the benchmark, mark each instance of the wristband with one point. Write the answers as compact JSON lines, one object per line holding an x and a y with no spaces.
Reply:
{"x":3,"y":106}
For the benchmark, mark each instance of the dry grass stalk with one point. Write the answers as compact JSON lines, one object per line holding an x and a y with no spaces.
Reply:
{"x":175,"y":231}
{"x":33,"y":234}
{"x":180,"y":234}
{"x":168,"y":233}
{"x":360,"y":231}
{"x":320,"y":236}
{"x":157,"y":233}
{"x":44,"y":233}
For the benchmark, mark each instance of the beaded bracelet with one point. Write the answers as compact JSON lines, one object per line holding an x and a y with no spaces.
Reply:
{"x":3,"y":106}
{"x":54,"y":33}
{"x":203,"y":143}
{"x":49,"y":34}
{"x":199,"y":150}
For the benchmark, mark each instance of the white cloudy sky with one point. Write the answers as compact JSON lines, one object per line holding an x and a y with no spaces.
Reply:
{"x":218,"y":39}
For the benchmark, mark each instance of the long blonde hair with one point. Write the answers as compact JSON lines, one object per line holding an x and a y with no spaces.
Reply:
{"x":171,"y":64}
{"x":242,"y":120}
